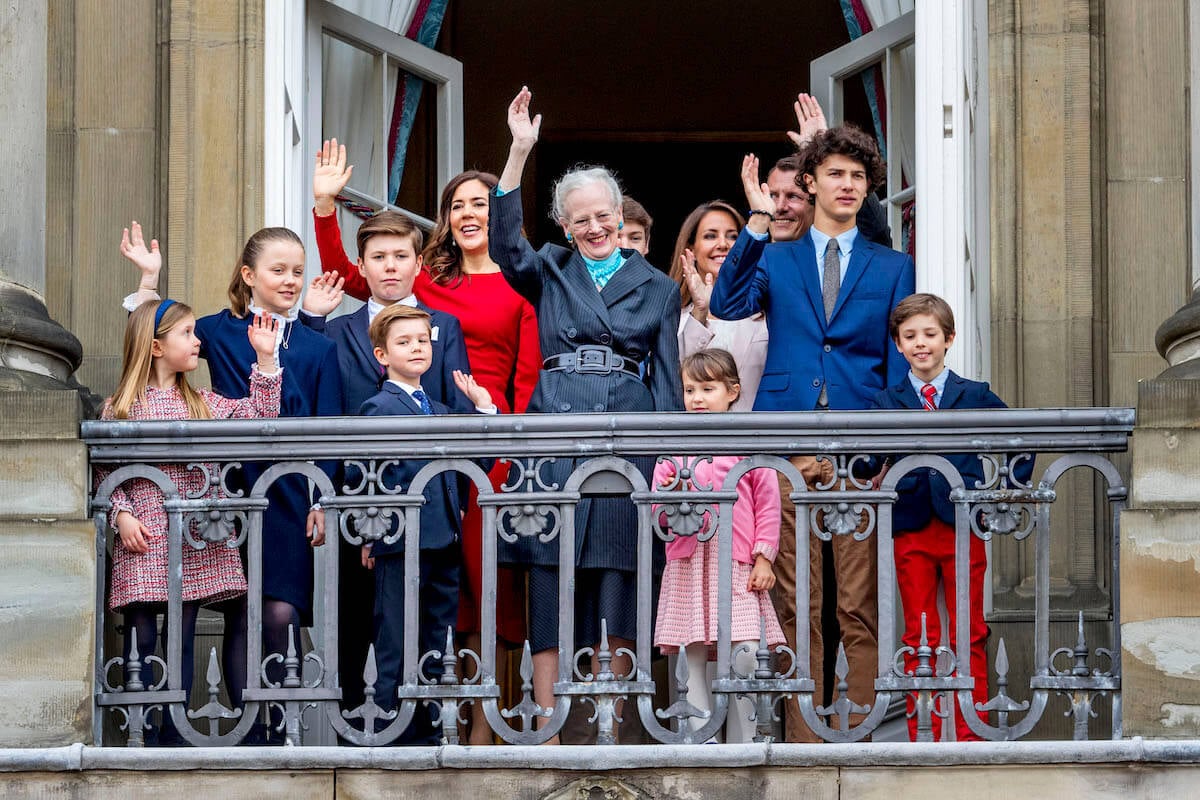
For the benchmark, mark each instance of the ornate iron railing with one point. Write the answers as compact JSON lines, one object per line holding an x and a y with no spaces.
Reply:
{"x":600,"y":446}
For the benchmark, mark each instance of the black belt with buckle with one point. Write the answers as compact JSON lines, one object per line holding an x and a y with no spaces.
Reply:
{"x":593,"y":359}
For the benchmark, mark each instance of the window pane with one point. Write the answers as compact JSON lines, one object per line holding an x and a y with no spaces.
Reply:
{"x":351,"y":111}
{"x":412,"y":116}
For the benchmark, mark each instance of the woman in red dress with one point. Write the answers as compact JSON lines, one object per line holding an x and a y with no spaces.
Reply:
{"x":500,"y":328}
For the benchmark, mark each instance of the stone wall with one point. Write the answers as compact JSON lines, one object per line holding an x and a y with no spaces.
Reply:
{"x":1160,"y":565}
{"x":47,"y":567}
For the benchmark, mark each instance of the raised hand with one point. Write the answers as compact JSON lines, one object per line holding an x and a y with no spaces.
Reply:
{"x":324,"y":294}
{"x":263,"y":334}
{"x":330,"y":176}
{"x":147,"y":260}
{"x":478,"y":395}
{"x":133,"y":533}
{"x":524,"y":130}
{"x":699,"y":285}
{"x":809,"y":117}
{"x":758,"y":196}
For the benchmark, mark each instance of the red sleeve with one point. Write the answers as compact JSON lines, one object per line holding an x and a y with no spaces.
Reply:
{"x":333,"y":256}
{"x":529,"y":358}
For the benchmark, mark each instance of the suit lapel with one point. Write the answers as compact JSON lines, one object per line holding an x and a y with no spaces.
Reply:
{"x":860,"y":256}
{"x":632,"y":274}
{"x":953,"y":390}
{"x":576,"y":274}
{"x":805,"y":253}
{"x":404,"y":397}
{"x":908,"y":396}
{"x":362,"y":341}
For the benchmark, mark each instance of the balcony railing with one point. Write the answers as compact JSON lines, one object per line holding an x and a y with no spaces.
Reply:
{"x":600,"y":446}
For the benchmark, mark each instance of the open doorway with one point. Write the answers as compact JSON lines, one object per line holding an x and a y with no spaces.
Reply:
{"x":668,"y":95}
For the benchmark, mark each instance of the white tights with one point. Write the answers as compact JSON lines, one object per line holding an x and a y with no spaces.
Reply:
{"x":739,"y":728}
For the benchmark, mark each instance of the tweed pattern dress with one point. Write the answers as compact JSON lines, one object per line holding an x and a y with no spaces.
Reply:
{"x":213,"y":573}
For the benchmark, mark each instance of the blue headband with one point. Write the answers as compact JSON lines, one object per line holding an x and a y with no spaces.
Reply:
{"x":162,"y":309}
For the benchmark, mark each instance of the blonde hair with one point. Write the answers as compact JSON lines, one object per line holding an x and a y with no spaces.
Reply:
{"x":239,"y":290}
{"x":137,"y":360}
{"x":394,"y":313}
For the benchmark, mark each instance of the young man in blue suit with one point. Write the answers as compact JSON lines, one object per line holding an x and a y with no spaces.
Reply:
{"x":389,"y":248}
{"x":827,"y":298}
{"x":922,"y":327}
{"x":401,"y":339}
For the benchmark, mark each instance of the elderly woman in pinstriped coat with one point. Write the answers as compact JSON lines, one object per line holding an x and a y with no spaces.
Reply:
{"x":601,"y":312}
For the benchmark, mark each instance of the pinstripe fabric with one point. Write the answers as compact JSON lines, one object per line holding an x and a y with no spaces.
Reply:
{"x":637,"y":314}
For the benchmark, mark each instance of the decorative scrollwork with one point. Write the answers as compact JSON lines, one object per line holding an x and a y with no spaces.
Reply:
{"x":371,"y":524}
{"x":1004,"y":519}
{"x":685,"y":518}
{"x":215,"y":526}
{"x":527,"y":471}
{"x":216,"y":480}
{"x":842,"y":519}
{"x":528,"y":519}
{"x":999,"y":471}
{"x":370,"y":476}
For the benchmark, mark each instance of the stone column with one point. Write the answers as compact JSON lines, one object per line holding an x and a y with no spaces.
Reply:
{"x":35,"y":351}
{"x":47,"y":555}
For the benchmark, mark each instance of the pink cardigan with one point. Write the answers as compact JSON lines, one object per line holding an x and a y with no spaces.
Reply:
{"x":755,"y":513}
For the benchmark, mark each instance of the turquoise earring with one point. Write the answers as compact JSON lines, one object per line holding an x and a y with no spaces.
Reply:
{"x":569,"y":238}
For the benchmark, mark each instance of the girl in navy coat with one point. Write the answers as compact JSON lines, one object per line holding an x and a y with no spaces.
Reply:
{"x":267,"y":279}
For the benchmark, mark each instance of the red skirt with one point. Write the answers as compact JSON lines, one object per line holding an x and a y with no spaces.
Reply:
{"x":510,"y":584}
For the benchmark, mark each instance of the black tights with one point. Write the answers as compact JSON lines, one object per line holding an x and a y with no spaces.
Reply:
{"x":141,"y":619}
{"x":277,"y":615}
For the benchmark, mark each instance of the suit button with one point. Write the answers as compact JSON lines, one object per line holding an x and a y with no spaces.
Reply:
{"x":816,"y":382}
{"x":598,"y":407}
{"x":564,"y":406}
{"x":828,"y":349}
{"x":571,"y":333}
{"x":605,"y":338}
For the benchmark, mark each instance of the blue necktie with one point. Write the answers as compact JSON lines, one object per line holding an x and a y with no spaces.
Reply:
{"x":420,"y":397}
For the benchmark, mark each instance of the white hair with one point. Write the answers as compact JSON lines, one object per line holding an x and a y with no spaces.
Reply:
{"x":577,"y":179}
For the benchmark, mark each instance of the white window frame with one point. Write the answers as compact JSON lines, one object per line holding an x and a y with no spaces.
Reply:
{"x":951,"y":147}
{"x":293,"y":83}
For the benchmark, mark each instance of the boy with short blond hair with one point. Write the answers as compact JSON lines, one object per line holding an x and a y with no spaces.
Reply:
{"x":400,"y":336}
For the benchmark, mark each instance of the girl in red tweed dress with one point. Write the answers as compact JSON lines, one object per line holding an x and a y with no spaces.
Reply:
{"x":687,"y":603}
{"x":160,"y":348}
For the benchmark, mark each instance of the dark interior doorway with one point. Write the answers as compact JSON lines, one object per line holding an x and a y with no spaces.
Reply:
{"x":670,"y":95}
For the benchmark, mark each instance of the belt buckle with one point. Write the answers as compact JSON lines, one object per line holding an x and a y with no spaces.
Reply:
{"x":593,"y":359}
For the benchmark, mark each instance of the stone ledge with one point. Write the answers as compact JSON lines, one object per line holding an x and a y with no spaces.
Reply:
{"x":46,"y":414}
{"x":1165,"y":403}
{"x":79,"y":757}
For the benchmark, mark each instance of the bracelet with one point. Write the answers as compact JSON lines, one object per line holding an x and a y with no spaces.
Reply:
{"x":766,"y":214}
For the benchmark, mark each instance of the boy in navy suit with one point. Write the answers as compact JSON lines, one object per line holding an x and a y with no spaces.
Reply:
{"x":389,"y":247}
{"x":401,"y":338}
{"x":922,"y":327}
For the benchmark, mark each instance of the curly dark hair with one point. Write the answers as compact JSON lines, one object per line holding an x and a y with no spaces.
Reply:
{"x":442,"y":257}
{"x":847,"y":140}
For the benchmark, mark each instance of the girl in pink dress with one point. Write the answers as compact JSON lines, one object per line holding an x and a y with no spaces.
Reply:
{"x":687,"y":603}
{"x":161,"y":347}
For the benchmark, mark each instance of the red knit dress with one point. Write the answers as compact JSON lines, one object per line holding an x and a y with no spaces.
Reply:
{"x":500,"y":329}
{"x":213,"y":573}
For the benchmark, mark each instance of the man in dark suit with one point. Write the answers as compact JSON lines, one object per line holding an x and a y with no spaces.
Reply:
{"x":389,"y":247}
{"x":401,"y":339}
{"x":827,"y":298}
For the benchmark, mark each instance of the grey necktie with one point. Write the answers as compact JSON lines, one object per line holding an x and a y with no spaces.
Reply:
{"x":832,"y":280}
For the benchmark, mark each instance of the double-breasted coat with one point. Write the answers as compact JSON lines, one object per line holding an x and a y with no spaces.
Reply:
{"x":637,"y":315}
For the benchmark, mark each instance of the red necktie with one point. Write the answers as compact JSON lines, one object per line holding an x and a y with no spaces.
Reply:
{"x":928,"y":391}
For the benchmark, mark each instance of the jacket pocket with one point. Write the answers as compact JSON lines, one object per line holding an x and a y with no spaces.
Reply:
{"x":774,"y":382}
